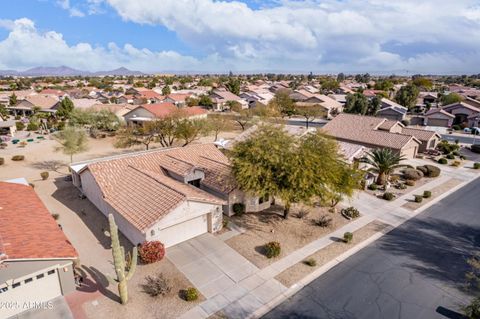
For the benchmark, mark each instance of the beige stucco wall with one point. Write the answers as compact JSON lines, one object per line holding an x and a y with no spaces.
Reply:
{"x":138,"y":112}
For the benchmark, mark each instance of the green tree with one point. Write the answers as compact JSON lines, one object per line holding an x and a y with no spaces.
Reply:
{"x":66,"y":107}
{"x":72,"y":141}
{"x":407,"y":95}
{"x":12,"y":100}
{"x":340,"y":77}
{"x":233,"y":85}
{"x":329,"y":84}
{"x":310,"y":112}
{"x":451,"y":98}
{"x":3,"y":112}
{"x":218,"y":123}
{"x":283,"y":103}
{"x":273,"y":163}
{"x":129,"y":136}
{"x":357,"y":103}
{"x":422,"y":82}
{"x":383,"y":162}
{"x":205,"y":101}
{"x":166,"y":90}
{"x":384,"y":85}
{"x":190,"y":130}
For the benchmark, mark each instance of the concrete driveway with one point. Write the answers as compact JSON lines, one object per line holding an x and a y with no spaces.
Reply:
{"x":210,"y":264}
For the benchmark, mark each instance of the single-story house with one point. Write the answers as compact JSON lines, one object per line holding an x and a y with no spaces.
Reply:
{"x":178,"y":99}
{"x":372,"y":132}
{"x":391,"y":110}
{"x":8,"y":127}
{"x":220,"y":97}
{"x":36,"y":258}
{"x":150,"y":112}
{"x":45,"y":103}
{"x":438,"y":117}
{"x":170,"y":195}
{"x":461,"y":111}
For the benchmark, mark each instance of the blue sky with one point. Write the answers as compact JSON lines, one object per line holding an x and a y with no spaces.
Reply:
{"x":323,"y":36}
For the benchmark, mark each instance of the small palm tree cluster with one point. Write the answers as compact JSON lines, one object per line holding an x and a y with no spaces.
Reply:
{"x":383,"y":162}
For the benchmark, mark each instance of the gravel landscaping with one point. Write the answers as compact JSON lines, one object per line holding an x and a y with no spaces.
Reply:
{"x":292,"y":233}
{"x":140,"y":304}
{"x":298,"y":271}
{"x":436,"y":191}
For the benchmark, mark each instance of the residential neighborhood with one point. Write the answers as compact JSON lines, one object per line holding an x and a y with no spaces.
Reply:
{"x":159,"y":161}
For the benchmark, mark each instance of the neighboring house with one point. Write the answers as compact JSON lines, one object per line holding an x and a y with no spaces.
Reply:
{"x":45,"y":103}
{"x":428,"y":139}
{"x":462,"y":111}
{"x":352,"y":152}
{"x":373,"y":132}
{"x":36,"y":258}
{"x":150,"y":112}
{"x":149,"y":96}
{"x":84,"y":103}
{"x":305,"y":98}
{"x":170,"y":195}
{"x":391,"y":110}
{"x":8,"y":127}
{"x":438,"y":117}
{"x":253,"y":97}
{"x":221,"y":97}
{"x":178,"y":99}
{"x":56,"y":93}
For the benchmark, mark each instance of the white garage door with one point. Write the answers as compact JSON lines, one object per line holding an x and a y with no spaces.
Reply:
{"x":176,"y":234}
{"x":30,"y":291}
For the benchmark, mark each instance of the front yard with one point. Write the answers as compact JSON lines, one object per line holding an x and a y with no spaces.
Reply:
{"x":142,"y":305}
{"x":292,"y":233}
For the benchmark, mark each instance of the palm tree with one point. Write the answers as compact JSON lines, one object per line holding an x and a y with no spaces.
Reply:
{"x":383,"y":162}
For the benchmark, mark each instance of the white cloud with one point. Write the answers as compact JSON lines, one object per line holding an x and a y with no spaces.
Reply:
{"x":325,"y":35}
{"x":74,"y":11}
{"x":26,"y":47}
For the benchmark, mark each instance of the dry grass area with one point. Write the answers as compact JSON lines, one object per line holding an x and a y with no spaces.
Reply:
{"x":298,"y":271}
{"x":292,"y":233}
{"x":436,"y":191}
{"x":140,"y":304}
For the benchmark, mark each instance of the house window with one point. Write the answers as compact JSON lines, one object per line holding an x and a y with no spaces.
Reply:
{"x":263,"y":199}
{"x":51,"y":272}
{"x":40,"y":276}
{"x":15,"y":285}
{"x":28,"y":280}
{"x":152,"y":232}
{"x":3,"y":289}
{"x":195,"y":182}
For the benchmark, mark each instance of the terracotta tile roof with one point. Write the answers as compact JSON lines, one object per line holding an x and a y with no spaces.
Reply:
{"x":193,"y":111}
{"x":139,"y":187}
{"x":364,"y":130}
{"x":434,"y":111}
{"x":150,"y":94}
{"x":460,"y":104}
{"x":27,"y":229}
{"x":420,"y":134}
{"x":160,"y":109}
{"x":387,"y":125}
{"x":178,"y":97}
{"x":43,"y":101}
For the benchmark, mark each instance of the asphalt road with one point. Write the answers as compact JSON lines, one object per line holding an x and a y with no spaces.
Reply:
{"x":415,"y":271}
{"x":467,"y":139}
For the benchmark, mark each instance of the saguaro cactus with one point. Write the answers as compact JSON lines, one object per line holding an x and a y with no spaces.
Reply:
{"x":118,"y":253}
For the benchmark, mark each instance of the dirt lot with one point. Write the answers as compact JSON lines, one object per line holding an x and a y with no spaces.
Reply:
{"x":140,"y":304}
{"x":436,"y":191}
{"x":292,"y":233}
{"x":298,"y":271}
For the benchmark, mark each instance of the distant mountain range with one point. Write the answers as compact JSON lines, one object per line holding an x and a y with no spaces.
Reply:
{"x":67,"y":71}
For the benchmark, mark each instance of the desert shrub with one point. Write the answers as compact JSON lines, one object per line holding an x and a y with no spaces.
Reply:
{"x":412,"y":174}
{"x":350,"y":212}
{"x":427,"y":194}
{"x":347,"y":237}
{"x":22,"y":144}
{"x":373,"y":187}
{"x":456,"y":163}
{"x":32,"y":126}
{"x":3,"y":145}
{"x":475,"y":148}
{"x":410,"y":182}
{"x":450,"y":156}
{"x":224,"y":222}
{"x":310,"y":262}
{"x":443,"y":161}
{"x":44,"y":175}
{"x":20,"y":126}
{"x":401,"y":186}
{"x":156,"y":285}
{"x":394,"y":178}
{"x":433,"y":171}
{"x":55,"y":216}
{"x":446,"y":148}
{"x":462,"y":157}
{"x":60,"y":125}
{"x":2,"y":161}
{"x":418,"y":198}
{"x":190,"y":294}
{"x":302,"y":213}
{"x":238,"y":208}
{"x":475,"y":165}
{"x":388,"y":196}
{"x":272,"y":249}
{"x":456,"y":153}
{"x":18,"y":158}
{"x":423,"y":169}
{"x":323,"y":221}
{"x":151,"y":251}
{"x":472,"y":310}
{"x":456,"y":127}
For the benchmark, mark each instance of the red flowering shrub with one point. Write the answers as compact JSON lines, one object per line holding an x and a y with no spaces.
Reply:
{"x":151,"y":251}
